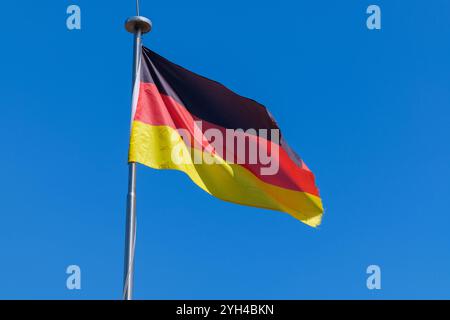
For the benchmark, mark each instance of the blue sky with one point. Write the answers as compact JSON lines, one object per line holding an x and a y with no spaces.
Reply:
{"x":367,"y":110}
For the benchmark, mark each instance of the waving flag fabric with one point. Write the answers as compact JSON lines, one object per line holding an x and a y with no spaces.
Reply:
{"x":227,"y":144}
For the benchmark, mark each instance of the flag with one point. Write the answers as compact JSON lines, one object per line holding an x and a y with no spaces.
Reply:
{"x":229,"y":145}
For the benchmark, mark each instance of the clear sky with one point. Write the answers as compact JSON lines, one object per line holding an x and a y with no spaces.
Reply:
{"x":368,"y":111}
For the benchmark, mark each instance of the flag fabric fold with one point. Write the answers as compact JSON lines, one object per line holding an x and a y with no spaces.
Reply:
{"x":229,"y":145}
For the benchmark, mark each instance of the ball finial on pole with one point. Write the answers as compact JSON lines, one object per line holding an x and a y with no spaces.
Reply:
{"x":136,"y":23}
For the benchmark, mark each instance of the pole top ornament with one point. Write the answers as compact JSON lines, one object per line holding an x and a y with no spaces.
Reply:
{"x":136,"y":23}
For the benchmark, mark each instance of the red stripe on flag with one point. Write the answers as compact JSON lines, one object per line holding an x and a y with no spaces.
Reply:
{"x":158,"y":109}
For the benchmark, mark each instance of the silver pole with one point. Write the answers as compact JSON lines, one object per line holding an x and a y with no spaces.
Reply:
{"x":137,"y":25}
{"x":130,"y":240}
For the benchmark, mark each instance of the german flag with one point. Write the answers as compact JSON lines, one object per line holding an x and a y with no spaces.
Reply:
{"x":229,"y":145}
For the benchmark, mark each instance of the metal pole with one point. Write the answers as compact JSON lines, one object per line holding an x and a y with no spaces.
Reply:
{"x":130,"y":240}
{"x":137,"y":25}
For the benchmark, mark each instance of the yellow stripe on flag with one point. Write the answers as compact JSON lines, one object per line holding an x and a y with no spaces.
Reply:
{"x":153,"y":145}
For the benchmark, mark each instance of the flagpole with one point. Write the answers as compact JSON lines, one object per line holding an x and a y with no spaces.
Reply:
{"x":137,"y":25}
